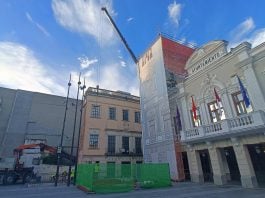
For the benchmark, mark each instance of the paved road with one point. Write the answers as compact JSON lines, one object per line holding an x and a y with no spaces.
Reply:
{"x":180,"y":190}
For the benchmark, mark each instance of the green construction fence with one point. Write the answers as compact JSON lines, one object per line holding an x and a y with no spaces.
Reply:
{"x":110,"y":178}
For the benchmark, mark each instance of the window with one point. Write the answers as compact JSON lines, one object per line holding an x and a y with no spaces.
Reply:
{"x":138,"y":145}
{"x":125,"y":114}
{"x":197,"y":122}
{"x":125,"y":145}
{"x":95,"y":111}
{"x":111,"y":144}
{"x":112,"y":113}
{"x":216,"y":111}
{"x":240,"y":104}
{"x":137,"y":117}
{"x":93,"y":141}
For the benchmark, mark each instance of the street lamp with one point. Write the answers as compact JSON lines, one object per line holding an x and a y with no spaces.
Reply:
{"x":73,"y":136}
{"x":79,"y":131}
{"x":59,"y":149}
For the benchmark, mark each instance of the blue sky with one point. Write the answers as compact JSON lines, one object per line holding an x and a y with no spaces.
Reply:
{"x":42,"y":42}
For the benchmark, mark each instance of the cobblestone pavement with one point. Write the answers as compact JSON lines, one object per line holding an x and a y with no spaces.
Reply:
{"x":179,"y":190}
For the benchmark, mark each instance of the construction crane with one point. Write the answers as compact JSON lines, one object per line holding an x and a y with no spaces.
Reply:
{"x":122,"y":38}
{"x":177,"y":142}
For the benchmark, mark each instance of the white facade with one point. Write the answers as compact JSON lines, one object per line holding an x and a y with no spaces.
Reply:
{"x":159,"y":137}
{"x":225,"y":125}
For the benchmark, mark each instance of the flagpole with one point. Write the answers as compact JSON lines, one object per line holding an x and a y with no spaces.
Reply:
{"x":61,"y":142}
{"x":243,"y":92}
{"x":218,"y":100}
{"x":79,"y":130}
{"x":73,"y":135}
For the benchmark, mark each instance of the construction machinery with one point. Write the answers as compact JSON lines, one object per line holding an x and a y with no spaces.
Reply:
{"x":24,"y":166}
{"x":122,"y":38}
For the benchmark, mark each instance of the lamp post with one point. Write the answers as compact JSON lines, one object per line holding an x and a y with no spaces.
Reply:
{"x":73,"y":136}
{"x":59,"y":149}
{"x":79,"y":130}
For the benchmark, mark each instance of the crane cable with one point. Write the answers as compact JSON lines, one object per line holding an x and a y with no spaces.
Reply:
{"x":99,"y":29}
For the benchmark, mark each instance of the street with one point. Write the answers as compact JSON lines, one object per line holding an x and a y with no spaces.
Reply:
{"x":179,"y":190}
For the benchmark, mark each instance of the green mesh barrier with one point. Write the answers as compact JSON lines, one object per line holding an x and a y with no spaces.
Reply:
{"x":84,"y":175}
{"x":154,"y":175}
{"x":110,"y":178}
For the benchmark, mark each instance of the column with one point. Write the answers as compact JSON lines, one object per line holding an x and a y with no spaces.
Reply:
{"x":219,"y":173}
{"x":226,"y":167}
{"x":184,"y":109}
{"x":253,"y":88}
{"x":248,"y":177}
{"x":195,"y":166}
{"x":204,"y":113}
{"x":227,"y":105}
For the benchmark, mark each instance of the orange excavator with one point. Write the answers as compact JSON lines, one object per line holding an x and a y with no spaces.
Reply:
{"x":25,"y":163}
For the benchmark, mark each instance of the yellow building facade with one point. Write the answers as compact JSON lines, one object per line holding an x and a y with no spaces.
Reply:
{"x":111,"y":128}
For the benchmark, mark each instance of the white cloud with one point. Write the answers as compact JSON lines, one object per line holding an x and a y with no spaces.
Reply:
{"x":130,"y":19}
{"x":257,"y":37}
{"x":174,"y":11}
{"x":20,"y":69}
{"x":29,"y":17}
{"x":85,"y":62}
{"x":123,"y":64}
{"x":245,"y":31}
{"x":111,"y":78}
{"x":85,"y":17}
{"x":241,"y":30}
{"x":40,"y":27}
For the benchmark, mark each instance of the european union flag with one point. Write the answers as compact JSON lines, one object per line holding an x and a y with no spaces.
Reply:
{"x":243,"y":92}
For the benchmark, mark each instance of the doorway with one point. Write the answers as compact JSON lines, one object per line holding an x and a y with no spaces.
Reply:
{"x":186,"y":166}
{"x":230,"y":165}
{"x":257,"y":155}
{"x":206,"y":165}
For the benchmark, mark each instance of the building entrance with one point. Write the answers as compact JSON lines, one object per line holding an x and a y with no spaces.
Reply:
{"x":206,"y":166}
{"x":230,"y":165}
{"x":257,"y":155}
{"x":186,"y":166}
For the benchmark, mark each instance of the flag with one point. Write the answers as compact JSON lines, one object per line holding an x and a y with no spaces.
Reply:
{"x":244,"y":93}
{"x":194,"y":109}
{"x":217,"y":97}
{"x":178,"y":120}
{"x":218,"y":100}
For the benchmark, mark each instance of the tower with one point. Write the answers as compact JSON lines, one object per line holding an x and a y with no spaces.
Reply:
{"x":160,"y":68}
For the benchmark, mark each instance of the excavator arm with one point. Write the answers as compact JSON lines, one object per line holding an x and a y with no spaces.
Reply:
{"x":122,"y":38}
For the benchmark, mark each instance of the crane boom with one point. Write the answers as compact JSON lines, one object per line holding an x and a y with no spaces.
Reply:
{"x":122,"y":38}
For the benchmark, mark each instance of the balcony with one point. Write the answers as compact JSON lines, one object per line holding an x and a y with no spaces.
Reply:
{"x":124,"y":154}
{"x":242,"y":125}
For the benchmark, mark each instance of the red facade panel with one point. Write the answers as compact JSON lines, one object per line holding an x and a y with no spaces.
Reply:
{"x":175,"y":55}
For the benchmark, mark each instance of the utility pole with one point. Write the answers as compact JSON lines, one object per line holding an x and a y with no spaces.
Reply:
{"x":79,"y":131}
{"x":73,"y":136}
{"x":59,"y":149}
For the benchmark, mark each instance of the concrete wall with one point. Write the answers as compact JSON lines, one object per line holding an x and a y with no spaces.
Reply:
{"x":33,"y":116}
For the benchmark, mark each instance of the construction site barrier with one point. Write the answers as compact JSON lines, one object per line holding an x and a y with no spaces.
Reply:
{"x":110,"y":178}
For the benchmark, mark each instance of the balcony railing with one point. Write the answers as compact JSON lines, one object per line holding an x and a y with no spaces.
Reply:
{"x":124,"y":154}
{"x":235,"y":125}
